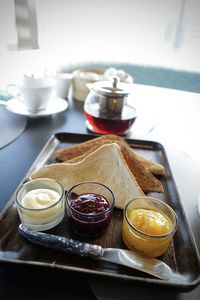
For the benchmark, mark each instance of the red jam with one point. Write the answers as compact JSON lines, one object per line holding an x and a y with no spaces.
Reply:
{"x":90,"y":214}
{"x":91,"y":204}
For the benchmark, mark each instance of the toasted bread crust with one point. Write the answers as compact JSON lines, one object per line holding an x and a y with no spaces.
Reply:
{"x":152,"y":166}
{"x":81,"y":149}
{"x":144,"y":177}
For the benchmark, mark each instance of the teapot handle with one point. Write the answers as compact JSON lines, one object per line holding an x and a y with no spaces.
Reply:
{"x":10,"y":90}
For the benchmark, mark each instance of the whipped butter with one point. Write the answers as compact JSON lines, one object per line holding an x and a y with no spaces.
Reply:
{"x":40,"y":204}
{"x":39,"y":198}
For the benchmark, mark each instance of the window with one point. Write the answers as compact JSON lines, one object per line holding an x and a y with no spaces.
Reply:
{"x":156,"y":32}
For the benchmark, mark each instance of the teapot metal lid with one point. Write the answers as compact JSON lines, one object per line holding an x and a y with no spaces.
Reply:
{"x":113,"y":88}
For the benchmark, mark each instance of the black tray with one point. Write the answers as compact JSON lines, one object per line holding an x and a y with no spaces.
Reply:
{"x":182,"y":256}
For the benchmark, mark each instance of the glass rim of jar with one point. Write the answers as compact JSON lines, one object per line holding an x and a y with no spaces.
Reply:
{"x":171,"y":232}
{"x":40,"y":209}
{"x":111,"y":205}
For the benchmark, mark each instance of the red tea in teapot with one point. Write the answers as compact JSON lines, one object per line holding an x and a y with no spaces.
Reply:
{"x":98,"y":123}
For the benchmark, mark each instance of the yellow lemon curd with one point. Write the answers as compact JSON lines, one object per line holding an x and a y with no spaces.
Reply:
{"x":148,"y":230}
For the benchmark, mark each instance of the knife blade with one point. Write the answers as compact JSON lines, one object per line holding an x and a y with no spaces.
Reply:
{"x":123,"y":257}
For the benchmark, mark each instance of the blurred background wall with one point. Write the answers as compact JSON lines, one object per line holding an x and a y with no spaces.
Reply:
{"x":149,"y":33}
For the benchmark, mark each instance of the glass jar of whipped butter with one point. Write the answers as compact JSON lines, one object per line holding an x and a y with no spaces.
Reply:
{"x":40,"y":203}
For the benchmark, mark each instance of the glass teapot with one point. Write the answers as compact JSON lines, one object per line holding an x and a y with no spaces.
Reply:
{"x":108,"y":107}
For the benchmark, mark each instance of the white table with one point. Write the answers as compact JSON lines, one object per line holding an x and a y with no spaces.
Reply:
{"x":176,"y":127}
{"x":173,"y":118}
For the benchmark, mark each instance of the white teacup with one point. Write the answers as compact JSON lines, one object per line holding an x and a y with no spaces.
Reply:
{"x":35,"y":93}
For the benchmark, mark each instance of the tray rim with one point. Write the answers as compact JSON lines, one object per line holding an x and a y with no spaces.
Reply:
{"x":176,"y":285}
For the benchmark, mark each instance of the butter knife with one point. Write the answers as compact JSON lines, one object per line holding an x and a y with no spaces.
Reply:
{"x":123,"y":257}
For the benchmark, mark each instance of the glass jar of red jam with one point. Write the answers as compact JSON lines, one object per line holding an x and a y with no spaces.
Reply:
{"x":89,"y":208}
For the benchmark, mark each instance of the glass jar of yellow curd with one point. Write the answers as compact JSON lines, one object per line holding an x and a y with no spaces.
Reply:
{"x":148,"y":226}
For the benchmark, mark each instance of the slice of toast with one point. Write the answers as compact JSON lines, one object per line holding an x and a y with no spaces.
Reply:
{"x":152,"y":166}
{"x":68,"y":153}
{"x":106,"y":165}
{"x":144,"y":177}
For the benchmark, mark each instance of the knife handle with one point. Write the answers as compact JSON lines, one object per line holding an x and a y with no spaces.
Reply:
{"x":61,"y":243}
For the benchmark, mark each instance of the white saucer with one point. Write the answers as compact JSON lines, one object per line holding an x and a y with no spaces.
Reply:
{"x":55,"y":106}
